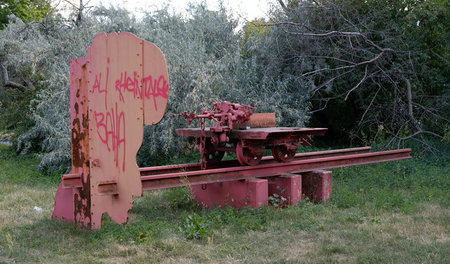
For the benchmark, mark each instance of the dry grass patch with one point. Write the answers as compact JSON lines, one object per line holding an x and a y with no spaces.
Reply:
{"x":426,"y":226}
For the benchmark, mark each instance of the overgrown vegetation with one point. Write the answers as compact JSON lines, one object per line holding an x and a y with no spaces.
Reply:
{"x":392,"y":212}
{"x":205,"y":65}
{"x":381,"y":68}
{"x":368,"y":65}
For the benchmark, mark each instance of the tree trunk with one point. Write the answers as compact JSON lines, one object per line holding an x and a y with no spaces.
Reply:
{"x":409,"y":96}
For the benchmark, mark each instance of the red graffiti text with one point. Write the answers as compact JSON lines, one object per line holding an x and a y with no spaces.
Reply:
{"x":111,"y":131}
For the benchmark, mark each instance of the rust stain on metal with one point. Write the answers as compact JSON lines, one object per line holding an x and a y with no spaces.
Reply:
{"x":80,"y":147}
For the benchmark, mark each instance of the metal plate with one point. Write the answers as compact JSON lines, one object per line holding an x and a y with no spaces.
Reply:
{"x":256,"y":133}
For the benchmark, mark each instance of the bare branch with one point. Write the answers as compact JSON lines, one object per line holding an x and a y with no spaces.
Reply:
{"x":320,"y":109}
{"x":9,"y":84}
{"x":283,"y":5}
{"x":418,"y":133}
{"x":356,"y":86}
{"x":370,"y":105}
{"x":409,"y":96}
{"x":327,"y":34}
{"x":325,"y":57}
{"x":70,"y":3}
{"x":346,"y":67}
{"x":79,"y":10}
{"x":331,"y":80}
{"x":429,"y":111}
{"x":330,"y":34}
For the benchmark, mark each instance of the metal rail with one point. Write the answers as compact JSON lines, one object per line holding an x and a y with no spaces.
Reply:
{"x":163,"y":177}
{"x":178,"y":179}
{"x":265,"y":160}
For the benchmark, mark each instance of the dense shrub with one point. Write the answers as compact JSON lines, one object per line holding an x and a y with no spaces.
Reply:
{"x":375,"y":66}
{"x":378,"y":68}
{"x":205,"y":63}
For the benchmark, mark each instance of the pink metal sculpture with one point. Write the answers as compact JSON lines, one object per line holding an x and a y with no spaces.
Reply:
{"x":123,"y":84}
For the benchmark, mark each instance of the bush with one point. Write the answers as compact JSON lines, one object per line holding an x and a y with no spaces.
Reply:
{"x":205,"y":64}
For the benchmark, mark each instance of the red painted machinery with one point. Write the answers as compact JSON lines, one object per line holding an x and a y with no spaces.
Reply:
{"x":123,"y":84}
{"x":231,"y":134}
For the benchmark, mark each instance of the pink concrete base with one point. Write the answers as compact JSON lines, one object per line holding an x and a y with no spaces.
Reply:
{"x":239,"y":194}
{"x":64,"y":204}
{"x":288,"y":186}
{"x":317,"y":185}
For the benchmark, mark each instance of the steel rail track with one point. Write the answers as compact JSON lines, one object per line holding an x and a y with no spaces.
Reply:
{"x":169,"y":176}
{"x":178,"y":179}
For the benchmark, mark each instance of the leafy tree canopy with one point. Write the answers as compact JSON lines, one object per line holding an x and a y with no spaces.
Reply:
{"x":27,"y":10}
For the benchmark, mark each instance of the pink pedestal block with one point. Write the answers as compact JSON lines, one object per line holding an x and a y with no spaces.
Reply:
{"x":63,"y":204}
{"x":252,"y":192}
{"x":287,"y":186}
{"x":317,"y":185}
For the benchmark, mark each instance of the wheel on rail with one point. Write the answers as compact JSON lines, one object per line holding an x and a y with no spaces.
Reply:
{"x":282,"y":154}
{"x":245,"y":157}
{"x":212,"y":155}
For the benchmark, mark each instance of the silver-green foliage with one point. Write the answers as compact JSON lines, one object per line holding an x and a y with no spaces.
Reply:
{"x":45,"y":49}
{"x":204,"y":56}
{"x":206,"y":65}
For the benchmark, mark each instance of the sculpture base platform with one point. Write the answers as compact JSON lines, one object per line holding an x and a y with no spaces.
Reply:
{"x":283,"y":190}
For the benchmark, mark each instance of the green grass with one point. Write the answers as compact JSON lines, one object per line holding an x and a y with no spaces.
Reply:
{"x":395,"y":212}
